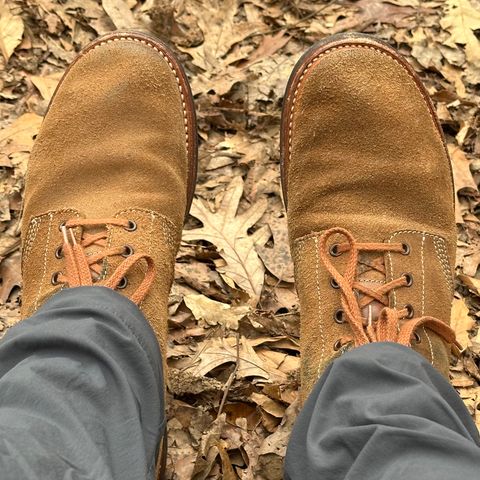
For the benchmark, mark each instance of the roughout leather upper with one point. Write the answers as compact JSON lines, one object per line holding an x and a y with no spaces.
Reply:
{"x":363,"y":151}
{"x":113,"y":143}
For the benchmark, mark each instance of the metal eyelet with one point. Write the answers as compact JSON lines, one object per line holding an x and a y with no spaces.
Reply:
{"x":337,"y":345}
{"x":334,"y":251}
{"x":132,"y":226}
{"x":338,"y":316}
{"x":128,"y":251}
{"x":408,"y":278}
{"x":123,"y":283}
{"x":59,"y":252}
{"x":334,"y":283}
{"x":405,"y":249}
{"x":410,"y":311}
{"x":54,"y":279}
{"x":417,"y":338}
{"x":62,"y":225}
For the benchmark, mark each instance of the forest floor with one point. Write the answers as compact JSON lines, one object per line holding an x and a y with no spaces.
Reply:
{"x":234,"y":324}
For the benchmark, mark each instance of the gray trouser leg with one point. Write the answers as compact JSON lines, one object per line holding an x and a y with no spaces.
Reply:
{"x":81,"y":391}
{"x":382,"y":412}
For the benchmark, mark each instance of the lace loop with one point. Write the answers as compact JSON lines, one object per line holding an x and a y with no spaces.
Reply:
{"x":83,"y":270}
{"x":391,"y":325}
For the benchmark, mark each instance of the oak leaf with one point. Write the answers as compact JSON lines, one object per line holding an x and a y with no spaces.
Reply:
{"x":229,"y":233}
{"x":219,"y":351}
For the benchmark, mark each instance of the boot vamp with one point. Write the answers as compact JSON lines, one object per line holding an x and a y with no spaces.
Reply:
{"x":114,"y":137}
{"x":366,"y":153}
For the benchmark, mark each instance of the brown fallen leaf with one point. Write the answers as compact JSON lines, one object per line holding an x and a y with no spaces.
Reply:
{"x":272,"y":451}
{"x":11,"y":275}
{"x":19,"y":136}
{"x":471,"y":282}
{"x":219,"y":351}
{"x":228,"y":473}
{"x":46,"y":84}
{"x":373,"y":11}
{"x":269,"y":45}
{"x":217,"y":17}
{"x":266,"y":403}
{"x":462,"y":20}
{"x":461,"y":169}
{"x":11,"y":29}
{"x":278,"y":259}
{"x":215,"y":313}
{"x":229,"y":233}
{"x":471,"y":262}
{"x":120,"y":14}
{"x":461,"y":322}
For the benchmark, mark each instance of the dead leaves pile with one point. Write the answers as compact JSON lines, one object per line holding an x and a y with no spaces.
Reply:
{"x":233,"y":350}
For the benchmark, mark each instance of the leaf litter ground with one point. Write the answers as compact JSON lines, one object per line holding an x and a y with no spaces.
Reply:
{"x":234,"y":323}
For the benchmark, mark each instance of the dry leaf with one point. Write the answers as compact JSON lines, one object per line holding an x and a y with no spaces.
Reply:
{"x":278,"y":259}
{"x":229,"y":233}
{"x":239,"y":54}
{"x":120,"y":14}
{"x":46,"y":84}
{"x":215,"y":313}
{"x":471,"y":282}
{"x":461,"y":322}
{"x":19,"y":136}
{"x":11,"y":30}
{"x":217,"y":17}
{"x":219,"y":351}
{"x":461,"y":169}
{"x":371,"y":11}
{"x":270,"y":406}
{"x":228,"y":473}
{"x":270,"y":44}
{"x":461,"y":20}
{"x":10,"y":274}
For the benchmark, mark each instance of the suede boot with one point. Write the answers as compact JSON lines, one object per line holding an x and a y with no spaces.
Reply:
{"x":367,"y":182}
{"x":111,"y":177}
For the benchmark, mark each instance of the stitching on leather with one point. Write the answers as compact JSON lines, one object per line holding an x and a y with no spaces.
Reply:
{"x":443,"y":259}
{"x":307,"y":237}
{"x":441,"y":251}
{"x":390,"y":267}
{"x":152,"y":220}
{"x":317,"y":282}
{"x":37,"y":298}
{"x":35,"y":222}
{"x":422,"y":252}
{"x":365,"y":280}
{"x":340,"y":47}
{"x":422,"y":262}
{"x":166,"y":225}
{"x":172,"y":68}
{"x":31,"y":236}
{"x":149,"y":212}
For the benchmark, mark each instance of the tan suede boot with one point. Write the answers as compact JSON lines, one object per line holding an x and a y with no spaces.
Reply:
{"x":370,"y":201}
{"x":111,"y":177}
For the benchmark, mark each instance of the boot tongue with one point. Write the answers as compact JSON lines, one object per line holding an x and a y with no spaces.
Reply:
{"x":371,"y":273}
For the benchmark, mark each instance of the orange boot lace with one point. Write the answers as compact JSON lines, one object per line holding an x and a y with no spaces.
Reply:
{"x":392,"y":325}
{"x":86,"y":270}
